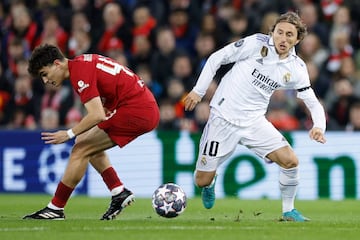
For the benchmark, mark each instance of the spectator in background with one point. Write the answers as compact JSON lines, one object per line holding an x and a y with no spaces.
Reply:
{"x":142,"y":51}
{"x":341,"y":48}
{"x":329,"y":7}
{"x":281,"y":111}
{"x":311,"y":49}
{"x":163,"y":58}
{"x":116,"y":29}
{"x":182,"y":70}
{"x":60,"y":99}
{"x":193,"y":8}
{"x":37,"y":88}
{"x":238,"y":25}
{"x":310,"y":16}
{"x":24,"y":104}
{"x":268,"y":21}
{"x":79,"y":21}
{"x":79,"y":43}
{"x":342,"y":20}
{"x":348,"y":70}
{"x":205,"y":44}
{"x":338,"y":108}
{"x":175,"y":92}
{"x":320,"y":82}
{"x":80,"y":38}
{"x":67,"y":9}
{"x":144,"y":72}
{"x":144,"y":24}
{"x":22,"y":25}
{"x":43,"y":7}
{"x":211,"y":25}
{"x":282,"y":119}
{"x":143,"y":33}
{"x":17,"y":49}
{"x":5,"y":95}
{"x":118,"y":55}
{"x":341,"y":34}
{"x":168,"y":119}
{"x":53,"y":32}
{"x":49,"y":119}
{"x":73,"y":117}
{"x":354,"y":117}
{"x":201,"y":115}
{"x":184,"y":32}
{"x":225,"y":11}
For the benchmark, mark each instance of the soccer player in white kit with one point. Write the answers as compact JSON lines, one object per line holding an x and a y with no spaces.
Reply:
{"x":262,"y":64}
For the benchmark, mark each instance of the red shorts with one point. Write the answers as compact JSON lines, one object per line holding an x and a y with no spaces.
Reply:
{"x":138,"y":116}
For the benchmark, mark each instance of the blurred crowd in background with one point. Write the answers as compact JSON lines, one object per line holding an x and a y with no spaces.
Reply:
{"x":167,"y":42}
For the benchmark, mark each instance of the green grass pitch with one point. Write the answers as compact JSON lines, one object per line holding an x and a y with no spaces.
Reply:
{"x":230,"y":218}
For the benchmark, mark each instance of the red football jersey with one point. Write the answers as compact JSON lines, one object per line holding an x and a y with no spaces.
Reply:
{"x":93,"y":75}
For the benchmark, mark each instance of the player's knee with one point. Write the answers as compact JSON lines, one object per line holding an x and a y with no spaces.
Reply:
{"x":291,"y":163}
{"x":80,"y":151}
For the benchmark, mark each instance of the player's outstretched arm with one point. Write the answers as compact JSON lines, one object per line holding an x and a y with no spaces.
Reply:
{"x":191,"y":100}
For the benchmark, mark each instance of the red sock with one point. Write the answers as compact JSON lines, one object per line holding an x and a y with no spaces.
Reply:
{"x":62,"y":195}
{"x":111,"y":178}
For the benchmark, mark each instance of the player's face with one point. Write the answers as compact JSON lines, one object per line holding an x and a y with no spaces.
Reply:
{"x":52,"y":74}
{"x":285,"y":37}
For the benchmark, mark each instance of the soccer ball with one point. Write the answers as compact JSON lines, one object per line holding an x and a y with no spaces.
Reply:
{"x":169,"y":200}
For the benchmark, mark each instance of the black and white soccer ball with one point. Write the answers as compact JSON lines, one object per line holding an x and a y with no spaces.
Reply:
{"x":169,"y":200}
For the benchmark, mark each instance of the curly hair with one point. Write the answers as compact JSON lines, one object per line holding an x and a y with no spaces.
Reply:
{"x":293,"y":18}
{"x":42,"y":56}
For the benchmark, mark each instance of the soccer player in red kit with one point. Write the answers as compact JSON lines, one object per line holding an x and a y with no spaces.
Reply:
{"x":119,"y":108}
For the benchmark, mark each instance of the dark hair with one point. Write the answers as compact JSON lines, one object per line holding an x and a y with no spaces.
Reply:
{"x":42,"y":56}
{"x":293,"y":18}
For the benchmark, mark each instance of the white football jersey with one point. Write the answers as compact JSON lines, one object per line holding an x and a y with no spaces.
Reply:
{"x":245,"y":90}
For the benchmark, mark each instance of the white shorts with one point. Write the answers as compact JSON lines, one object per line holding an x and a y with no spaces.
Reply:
{"x":220,"y":139}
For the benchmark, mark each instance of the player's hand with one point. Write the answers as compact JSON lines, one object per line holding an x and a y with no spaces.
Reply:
{"x":55,"y":137}
{"x":191,"y":100}
{"x":317,"y":135}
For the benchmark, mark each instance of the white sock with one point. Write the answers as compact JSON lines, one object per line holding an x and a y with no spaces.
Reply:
{"x":52,"y":206}
{"x":117,"y":190}
{"x":288,"y":182}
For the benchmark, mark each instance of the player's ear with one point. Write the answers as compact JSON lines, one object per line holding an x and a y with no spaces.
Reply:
{"x":56,"y":62}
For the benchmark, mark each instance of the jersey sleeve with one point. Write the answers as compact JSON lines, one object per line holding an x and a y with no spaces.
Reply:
{"x":316,"y":109}
{"x":83,"y":79}
{"x":303,"y":80}
{"x":231,"y":53}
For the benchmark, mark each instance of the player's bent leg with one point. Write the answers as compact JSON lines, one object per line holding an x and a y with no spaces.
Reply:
{"x":100,"y":161}
{"x":288,"y":182}
{"x":206,"y":180}
{"x":86,"y":145}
